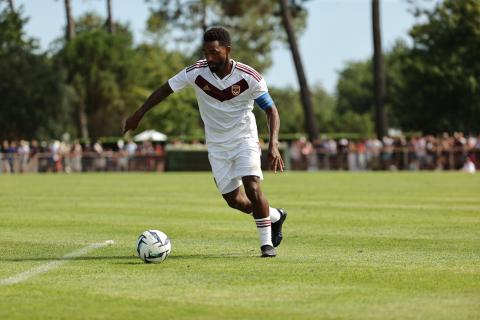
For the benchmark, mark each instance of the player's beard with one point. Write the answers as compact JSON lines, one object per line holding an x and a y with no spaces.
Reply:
{"x":216,"y":67}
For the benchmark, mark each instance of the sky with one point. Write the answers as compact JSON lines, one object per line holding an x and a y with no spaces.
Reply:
{"x":337,"y":31}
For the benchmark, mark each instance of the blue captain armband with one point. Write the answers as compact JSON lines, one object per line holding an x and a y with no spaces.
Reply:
{"x":264,"y":101}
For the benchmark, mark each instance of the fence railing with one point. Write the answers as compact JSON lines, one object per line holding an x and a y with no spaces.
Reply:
{"x":390,"y":158}
{"x":403,"y":158}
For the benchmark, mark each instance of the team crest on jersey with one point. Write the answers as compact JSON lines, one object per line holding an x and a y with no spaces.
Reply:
{"x":236,"y":89}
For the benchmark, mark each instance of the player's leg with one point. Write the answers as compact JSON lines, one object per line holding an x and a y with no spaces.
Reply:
{"x":259,"y":203}
{"x":237,"y":199}
{"x":261,"y":214}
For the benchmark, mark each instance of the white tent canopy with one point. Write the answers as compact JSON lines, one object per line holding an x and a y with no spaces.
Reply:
{"x":150,"y":135}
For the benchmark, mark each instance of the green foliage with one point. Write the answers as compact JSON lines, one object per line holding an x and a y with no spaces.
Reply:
{"x":290,"y":109}
{"x":33,"y":98}
{"x":355,"y":89}
{"x":442,"y":71}
{"x":433,"y":86}
{"x":177,"y":115}
{"x":352,"y":122}
{"x":254,"y":25}
{"x":101,"y":68}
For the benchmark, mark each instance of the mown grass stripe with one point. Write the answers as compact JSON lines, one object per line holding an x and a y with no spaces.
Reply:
{"x":52,"y":264}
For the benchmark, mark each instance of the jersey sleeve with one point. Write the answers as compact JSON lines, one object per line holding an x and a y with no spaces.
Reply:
{"x":261,"y":96}
{"x":179,"y":81}
{"x":259,"y":88}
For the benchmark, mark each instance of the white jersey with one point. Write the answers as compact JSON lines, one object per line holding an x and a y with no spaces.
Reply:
{"x":225,"y":104}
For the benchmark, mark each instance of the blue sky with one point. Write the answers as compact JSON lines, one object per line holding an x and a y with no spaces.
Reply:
{"x":337,"y":31}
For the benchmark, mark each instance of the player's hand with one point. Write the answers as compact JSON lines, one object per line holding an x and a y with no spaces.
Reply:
{"x":132,"y":122}
{"x":275,"y":159}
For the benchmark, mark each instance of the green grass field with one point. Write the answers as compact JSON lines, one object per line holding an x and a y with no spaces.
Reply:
{"x":357,"y":246}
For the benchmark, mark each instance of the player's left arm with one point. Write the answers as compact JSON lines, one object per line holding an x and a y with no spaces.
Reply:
{"x":274,"y":156}
{"x":273,"y":120}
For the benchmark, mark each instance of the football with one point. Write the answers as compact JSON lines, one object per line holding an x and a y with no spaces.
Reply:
{"x":153,"y":246}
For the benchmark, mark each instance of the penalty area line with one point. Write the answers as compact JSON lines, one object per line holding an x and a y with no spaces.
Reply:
{"x":52,"y":264}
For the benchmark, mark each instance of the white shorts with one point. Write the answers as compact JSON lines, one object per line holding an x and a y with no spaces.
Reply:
{"x":229,"y":167}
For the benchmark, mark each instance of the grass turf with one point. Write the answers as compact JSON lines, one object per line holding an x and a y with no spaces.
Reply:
{"x":357,"y":246}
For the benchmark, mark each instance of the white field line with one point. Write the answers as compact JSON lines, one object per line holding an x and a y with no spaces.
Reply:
{"x":52,"y":264}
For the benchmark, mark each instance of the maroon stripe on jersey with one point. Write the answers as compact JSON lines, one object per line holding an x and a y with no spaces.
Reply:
{"x":196,"y":67}
{"x":249,"y":69}
{"x":199,"y":64}
{"x":249,"y":72}
{"x":221,"y":95}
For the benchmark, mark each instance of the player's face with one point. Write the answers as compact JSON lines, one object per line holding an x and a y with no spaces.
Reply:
{"x":216,"y":55}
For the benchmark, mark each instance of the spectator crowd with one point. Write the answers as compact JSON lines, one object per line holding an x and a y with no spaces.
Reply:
{"x":62,"y":156}
{"x":445,"y":152}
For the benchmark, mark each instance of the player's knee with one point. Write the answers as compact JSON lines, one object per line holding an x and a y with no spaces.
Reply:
{"x":253,"y":192}
{"x":233,"y":203}
{"x":239,"y":204}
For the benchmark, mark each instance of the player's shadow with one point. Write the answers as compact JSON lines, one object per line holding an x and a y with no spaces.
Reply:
{"x":26,"y":259}
{"x":129,"y":259}
{"x":207,"y":256}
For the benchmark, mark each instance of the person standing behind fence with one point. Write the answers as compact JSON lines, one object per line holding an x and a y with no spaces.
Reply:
{"x":76,"y":155}
{"x":131,"y":149}
{"x":33,"y":156}
{"x":3,"y":158}
{"x":11,"y":149}
{"x":23,"y":155}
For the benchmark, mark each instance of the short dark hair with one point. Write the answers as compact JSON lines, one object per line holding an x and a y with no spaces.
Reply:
{"x":219,"y":34}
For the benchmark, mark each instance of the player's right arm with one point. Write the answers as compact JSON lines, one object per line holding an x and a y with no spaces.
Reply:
{"x":155,"y":98}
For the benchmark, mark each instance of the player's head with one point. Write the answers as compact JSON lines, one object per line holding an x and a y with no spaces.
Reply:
{"x":216,"y":47}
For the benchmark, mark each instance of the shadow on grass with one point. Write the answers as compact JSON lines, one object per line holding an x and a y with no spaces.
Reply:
{"x":137,"y":260}
{"x":69,"y":259}
{"x":194,"y":257}
{"x":208,"y":256}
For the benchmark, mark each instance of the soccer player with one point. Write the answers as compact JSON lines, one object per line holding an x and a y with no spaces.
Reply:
{"x":226,"y":91}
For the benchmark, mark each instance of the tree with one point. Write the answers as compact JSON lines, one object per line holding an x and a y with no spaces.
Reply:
{"x":178,"y":114}
{"x":310,"y":120}
{"x":81,"y":118}
{"x":101,"y":68}
{"x":11,"y":4}
{"x":378,"y":72}
{"x":254,"y":25}
{"x":34,"y":100}
{"x":291,"y":114}
{"x":70,"y":29}
{"x":442,"y":71}
{"x":355,"y":86}
{"x":110,"y":24}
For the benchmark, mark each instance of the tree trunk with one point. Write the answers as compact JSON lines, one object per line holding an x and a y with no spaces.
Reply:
{"x":82,"y":121}
{"x":70,"y":32}
{"x":204,"y":26}
{"x":310,"y":120}
{"x":378,"y":73}
{"x":11,"y":4}
{"x":110,"y":25}
{"x":204,"y":16}
{"x":82,"y":127}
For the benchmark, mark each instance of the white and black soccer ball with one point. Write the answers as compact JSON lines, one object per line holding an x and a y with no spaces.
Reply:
{"x":153,"y":246}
